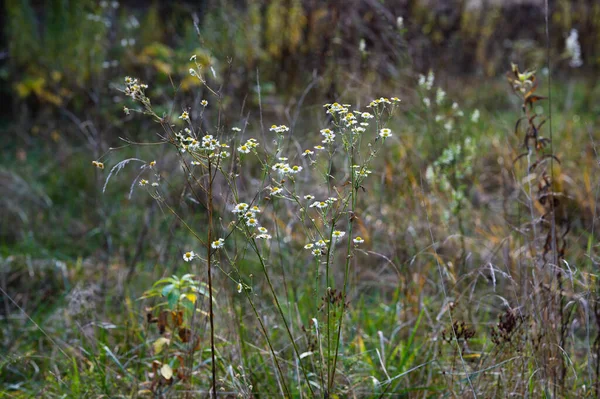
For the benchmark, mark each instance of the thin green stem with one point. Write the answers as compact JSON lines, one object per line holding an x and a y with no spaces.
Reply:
{"x":278,"y":305}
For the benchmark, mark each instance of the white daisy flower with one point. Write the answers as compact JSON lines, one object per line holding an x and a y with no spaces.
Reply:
{"x":240,"y":208}
{"x":358,"y":240}
{"x":338,"y":234}
{"x":385,"y":133}
{"x":244,"y":149}
{"x":218,"y":244}
{"x":188,"y":256}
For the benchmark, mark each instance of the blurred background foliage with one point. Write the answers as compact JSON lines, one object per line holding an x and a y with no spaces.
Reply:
{"x":62,"y":61}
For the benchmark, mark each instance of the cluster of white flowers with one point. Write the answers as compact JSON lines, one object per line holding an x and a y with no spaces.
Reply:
{"x":284,"y":168}
{"x":361,"y":171}
{"x":574,"y":49}
{"x":208,"y":144}
{"x":135,"y":89}
{"x":317,"y":248}
{"x":440,"y":95}
{"x":383,"y":101}
{"x":279,"y":129}
{"x":248,"y":146}
{"x":328,"y":135}
{"x":426,"y":82}
{"x":248,"y":216}
{"x":321,"y":204}
{"x":337,"y":108}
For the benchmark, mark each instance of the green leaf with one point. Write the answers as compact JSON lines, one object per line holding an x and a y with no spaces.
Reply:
{"x":167,"y":289}
{"x":173,"y":298}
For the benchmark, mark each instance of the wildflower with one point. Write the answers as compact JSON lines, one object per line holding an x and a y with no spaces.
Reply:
{"x":239,"y":288}
{"x":196,"y":163}
{"x":279,"y":129}
{"x":309,"y":246}
{"x":309,"y":197}
{"x":448,"y":125}
{"x":385,"y":133}
{"x":244,"y":149}
{"x":430,"y":80}
{"x":321,"y":243}
{"x":396,"y":99}
{"x":574,"y":49}
{"x":281,"y":167}
{"x":319,"y":204}
{"x":152,"y":164}
{"x":475,"y":116}
{"x":241,"y":207}
{"x":366,"y":115}
{"x":143,"y":182}
{"x":251,"y":222}
{"x":307,"y":153}
{"x":319,"y":147}
{"x":276,"y":190}
{"x":236,"y":129}
{"x":185,"y":116}
{"x":358,"y":240}
{"x":338,"y":234}
{"x":262,"y":230}
{"x":264,"y":236}
{"x":193,"y":57}
{"x":439,"y":96}
{"x":188,"y":256}
{"x":192,"y":72}
{"x":99,"y":165}
{"x":329,"y":136}
{"x":399,"y":23}
{"x":295,"y":169}
{"x":255,"y":209}
{"x":218,"y":244}
{"x":316,"y":252}
{"x":155,"y":184}
{"x":204,"y":103}
{"x":126,"y":110}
